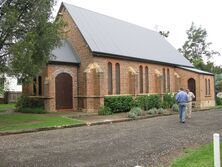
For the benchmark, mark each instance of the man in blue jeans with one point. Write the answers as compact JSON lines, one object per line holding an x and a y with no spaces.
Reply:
{"x":182,"y":99}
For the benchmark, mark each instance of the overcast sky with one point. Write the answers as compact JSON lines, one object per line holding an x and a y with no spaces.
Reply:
{"x":175,"y":16}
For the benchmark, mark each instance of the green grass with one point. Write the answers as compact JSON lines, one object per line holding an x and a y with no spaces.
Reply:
{"x":201,"y":157}
{"x":5,"y":107}
{"x":218,"y":107}
{"x":15,"y":122}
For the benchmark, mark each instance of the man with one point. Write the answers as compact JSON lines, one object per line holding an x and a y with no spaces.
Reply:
{"x":189,"y":104}
{"x":182,"y":99}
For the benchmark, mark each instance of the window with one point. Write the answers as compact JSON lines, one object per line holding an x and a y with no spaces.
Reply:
{"x":206,"y":89}
{"x":40,"y":85}
{"x":110,"y":79}
{"x":117,"y":78}
{"x":146,"y":79}
{"x":164,"y":80}
{"x":168,"y":80}
{"x":141,"y":79}
{"x":34,"y":86}
{"x":208,"y":86}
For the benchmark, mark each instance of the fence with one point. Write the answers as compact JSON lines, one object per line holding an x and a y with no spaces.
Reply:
{"x":11,"y":97}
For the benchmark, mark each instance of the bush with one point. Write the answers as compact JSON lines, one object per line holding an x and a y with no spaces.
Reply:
{"x":33,"y":110}
{"x":103,"y":110}
{"x":26,"y":103}
{"x":168,"y":100}
{"x":175,"y":107}
{"x":134,"y":112}
{"x":152,"y":111}
{"x":148,"y":101}
{"x":119,"y":103}
{"x":218,"y":101}
{"x":160,"y":111}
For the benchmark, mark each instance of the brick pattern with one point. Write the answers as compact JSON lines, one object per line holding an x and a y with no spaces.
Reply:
{"x":92,"y":74}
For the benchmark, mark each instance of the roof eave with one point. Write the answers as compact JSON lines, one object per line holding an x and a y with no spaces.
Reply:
{"x":102,"y":54}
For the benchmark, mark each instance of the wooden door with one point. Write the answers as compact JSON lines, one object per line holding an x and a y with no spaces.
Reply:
{"x":64,"y":99}
{"x":192,"y":87}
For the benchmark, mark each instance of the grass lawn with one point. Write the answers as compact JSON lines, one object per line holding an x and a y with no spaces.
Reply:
{"x":4,"y":107}
{"x":200,"y":157}
{"x":14,"y":122}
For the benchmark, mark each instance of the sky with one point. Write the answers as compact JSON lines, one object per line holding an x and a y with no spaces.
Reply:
{"x":175,"y":16}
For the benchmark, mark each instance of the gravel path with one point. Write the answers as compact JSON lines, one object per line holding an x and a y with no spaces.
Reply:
{"x":142,"y":142}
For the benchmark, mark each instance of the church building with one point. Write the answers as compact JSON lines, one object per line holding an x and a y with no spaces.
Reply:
{"x":103,"y":56}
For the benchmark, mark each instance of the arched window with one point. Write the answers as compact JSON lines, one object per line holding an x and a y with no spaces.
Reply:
{"x":110,"y":79}
{"x":208,"y":86}
{"x":141,"y":79}
{"x":168,"y":80}
{"x":40,"y":85}
{"x":117,"y":78}
{"x":164,"y":80}
{"x":146,"y":79}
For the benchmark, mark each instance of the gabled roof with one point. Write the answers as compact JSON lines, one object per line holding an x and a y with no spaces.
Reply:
{"x":64,"y":54}
{"x":196,"y":70}
{"x":114,"y":37}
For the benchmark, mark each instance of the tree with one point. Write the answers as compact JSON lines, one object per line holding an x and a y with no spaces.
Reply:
{"x":27,"y":36}
{"x":164,"y":34}
{"x":196,"y":49}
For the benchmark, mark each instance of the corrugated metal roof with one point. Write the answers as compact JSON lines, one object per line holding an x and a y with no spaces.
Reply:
{"x":65,"y":54}
{"x":105,"y":34}
{"x":196,"y":70}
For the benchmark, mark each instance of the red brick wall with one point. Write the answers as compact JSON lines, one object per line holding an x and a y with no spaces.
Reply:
{"x":92,"y":82}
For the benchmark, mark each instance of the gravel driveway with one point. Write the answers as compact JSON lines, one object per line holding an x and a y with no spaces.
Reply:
{"x":142,"y":142}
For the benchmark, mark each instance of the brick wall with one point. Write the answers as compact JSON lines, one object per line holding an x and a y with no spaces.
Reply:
{"x":92,"y":82}
{"x":49,"y":84}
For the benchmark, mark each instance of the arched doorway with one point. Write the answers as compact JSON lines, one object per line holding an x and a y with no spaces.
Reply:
{"x":63,"y":88}
{"x":192,"y":87}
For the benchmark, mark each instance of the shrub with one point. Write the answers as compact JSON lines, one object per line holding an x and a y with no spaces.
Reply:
{"x":148,"y":101}
{"x":152,"y":111}
{"x":160,"y":111}
{"x":33,"y":110}
{"x":134,"y":112}
{"x":27,"y":103}
{"x":103,"y":110}
{"x":175,"y":107}
{"x":218,"y":101}
{"x":168,"y":100}
{"x":119,"y":103}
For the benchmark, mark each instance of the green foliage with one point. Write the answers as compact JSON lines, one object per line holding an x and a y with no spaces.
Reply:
{"x":33,"y":110}
{"x":27,"y":36}
{"x":196,"y":49}
{"x":134,"y":112}
{"x":119,"y":103}
{"x":175,"y":107}
{"x":152,"y":111}
{"x":218,"y":82}
{"x":26,"y":103}
{"x":103,"y":110}
{"x":168,"y":100}
{"x":148,"y":101}
{"x":218,"y":101}
{"x":160,"y":111}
